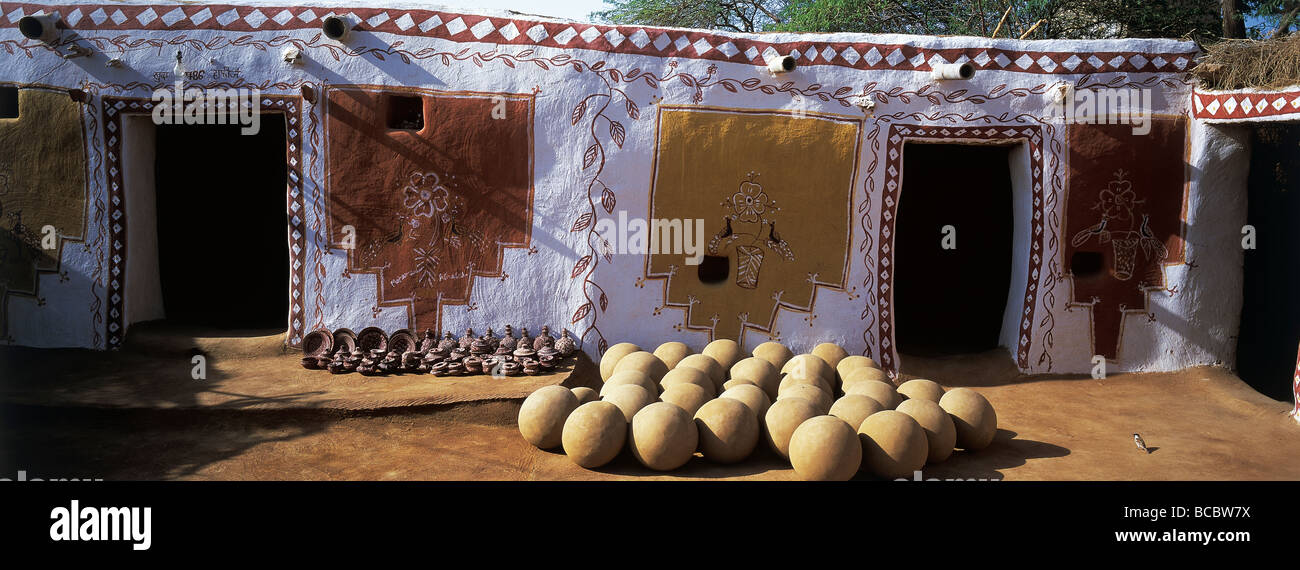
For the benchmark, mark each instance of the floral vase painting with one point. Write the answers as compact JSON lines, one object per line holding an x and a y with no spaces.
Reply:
{"x":1117,"y":203}
{"x":748,"y":225}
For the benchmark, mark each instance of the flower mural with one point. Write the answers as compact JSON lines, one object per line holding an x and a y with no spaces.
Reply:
{"x":425,"y":195}
{"x":750,"y":202}
{"x":433,"y":218}
{"x":1116,"y":203}
{"x":747,"y":207}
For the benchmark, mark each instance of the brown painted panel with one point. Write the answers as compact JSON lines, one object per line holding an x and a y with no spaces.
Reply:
{"x":42,"y":182}
{"x":774,"y":190}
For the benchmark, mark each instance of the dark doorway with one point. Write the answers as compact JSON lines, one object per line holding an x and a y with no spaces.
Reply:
{"x":1270,"y":312}
{"x":223,"y":253}
{"x":951,"y":300}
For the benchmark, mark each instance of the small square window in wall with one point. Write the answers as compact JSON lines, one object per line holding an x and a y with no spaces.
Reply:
{"x":8,"y":102}
{"x":405,"y":112}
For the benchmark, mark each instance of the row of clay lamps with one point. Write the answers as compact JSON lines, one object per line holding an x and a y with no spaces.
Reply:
{"x":671,"y":403}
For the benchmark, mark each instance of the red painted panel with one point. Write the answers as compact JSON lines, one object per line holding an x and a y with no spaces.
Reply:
{"x":432,"y":208}
{"x":1125,"y":203}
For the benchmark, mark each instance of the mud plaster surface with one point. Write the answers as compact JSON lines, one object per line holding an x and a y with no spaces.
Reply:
{"x":1203,"y":423}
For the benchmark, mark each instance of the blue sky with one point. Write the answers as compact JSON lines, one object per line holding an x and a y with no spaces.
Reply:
{"x":572,"y":9}
{"x":579,"y":9}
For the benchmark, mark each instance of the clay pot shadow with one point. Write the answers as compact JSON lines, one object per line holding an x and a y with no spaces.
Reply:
{"x":761,"y":460}
{"x":1006,"y":452}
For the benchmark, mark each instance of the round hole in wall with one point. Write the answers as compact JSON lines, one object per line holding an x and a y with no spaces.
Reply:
{"x":1084,"y":264}
{"x":36,"y":27}
{"x":713,"y":269}
{"x":334,"y":27}
{"x":966,"y":70}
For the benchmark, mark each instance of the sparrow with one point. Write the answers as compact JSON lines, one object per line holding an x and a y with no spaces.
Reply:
{"x":1141,"y":445}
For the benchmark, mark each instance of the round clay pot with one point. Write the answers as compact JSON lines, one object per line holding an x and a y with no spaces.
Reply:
{"x":372,"y":338}
{"x":688,"y":397}
{"x":850,"y":363}
{"x":940,"y":432}
{"x":830,"y":352}
{"x":921,"y":389}
{"x":672,"y":352}
{"x":759,"y":372}
{"x":774,"y":352}
{"x":708,"y":365}
{"x":855,"y":408}
{"x":402,"y":341}
{"x":318,"y":343}
{"x":611,"y":357}
{"x":644,"y":362}
{"x":782,"y":418}
{"x":751,"y":396}
{"x":825,"y":448}
{"x":585,"y":394}
{"x":542,"y":416}
{"x":663,"y":436}
{"x":728,"y":430}
{"x":893,"y":445}
{"x":345,"y":338}
{"x":972,"y":415}
{"x":725,"y":351}
{"x":594,"y":433}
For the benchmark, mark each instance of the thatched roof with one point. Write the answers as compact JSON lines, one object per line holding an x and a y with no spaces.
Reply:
{"x":1241,"y":64}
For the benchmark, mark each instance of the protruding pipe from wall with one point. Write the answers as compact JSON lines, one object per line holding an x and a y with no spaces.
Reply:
{"x":43,"y":27}
{"x":781,"y":64}
{"x":950,"y":71}
{"x":336,"y":27}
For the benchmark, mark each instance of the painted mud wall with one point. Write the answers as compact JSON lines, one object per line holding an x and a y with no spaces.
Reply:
{"x":535,"y":131}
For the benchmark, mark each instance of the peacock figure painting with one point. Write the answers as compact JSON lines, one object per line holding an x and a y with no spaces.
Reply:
{"x":748,"y":225}
{"x":1117,"y":203}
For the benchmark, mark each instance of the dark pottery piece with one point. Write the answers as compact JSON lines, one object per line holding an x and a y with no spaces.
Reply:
{"x":318,"y":343}
{"x":372,"y":338}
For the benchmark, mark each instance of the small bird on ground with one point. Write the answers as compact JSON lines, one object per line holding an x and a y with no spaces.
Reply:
{"x":1141,"y":445}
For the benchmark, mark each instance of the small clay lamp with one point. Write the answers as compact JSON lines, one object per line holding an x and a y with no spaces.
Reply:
{"x":473,"y":365}
{"x":565,"y":344}
{"x":467,"y":340}
{"x":448,"y":343}
{"x":547,"y":362}
{"x":531,"y":367}
{"x":429,"y":342}
{"x":508,"y":342}
{"x":543,"y":340}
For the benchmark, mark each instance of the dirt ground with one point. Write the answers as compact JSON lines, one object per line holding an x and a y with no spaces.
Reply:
{"x":1203,"y":424}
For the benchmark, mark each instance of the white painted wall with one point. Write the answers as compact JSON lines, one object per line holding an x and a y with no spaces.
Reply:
{"x":540,"y":291}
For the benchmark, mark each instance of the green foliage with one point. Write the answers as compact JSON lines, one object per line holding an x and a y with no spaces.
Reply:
{"x":1272,"y":17}
{"x":1059,"y":18}
{"x":734,"y":15}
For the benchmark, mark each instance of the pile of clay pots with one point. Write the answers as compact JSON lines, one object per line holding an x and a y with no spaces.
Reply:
{"x":372,"y":352}
{"x":830,"y":414}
